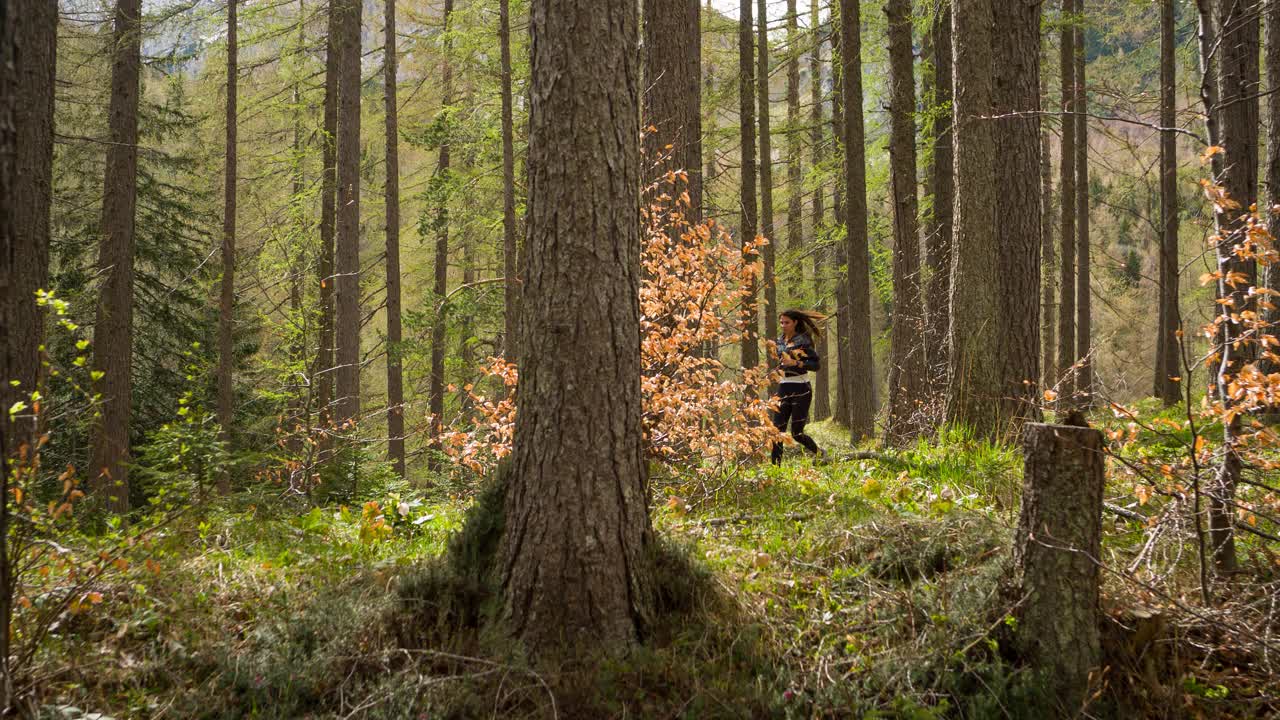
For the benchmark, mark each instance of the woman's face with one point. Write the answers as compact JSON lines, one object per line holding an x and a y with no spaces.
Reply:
{"x":787,"y":324}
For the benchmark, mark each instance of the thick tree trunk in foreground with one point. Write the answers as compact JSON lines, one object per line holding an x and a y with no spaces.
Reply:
{"x":861,"y":376}
{"x":822,"y":386}
{"x":395,"y":373}
{"x":9,"y":349}
{"x":1084,"y":314}
{"x":747,"y":131}
{"x":1271,"y":272}
{"x":347,"y":236}
{"x":1018,"y":207}
{"x":973,"y":399}
{"x":673,"y":94}
{"x":511,"y":344}
{"x":577,"y":523}
{"x":906,"y":363}
{"x":113,"y":330}
{"x":35,"y":23}
{"x":227,"y":298}
{"x":1168,"y":358}
{"x":938,"y":240}
{"x":770,"y":279}
{"x":1067,"y":194}
{"x":1056,"y":550}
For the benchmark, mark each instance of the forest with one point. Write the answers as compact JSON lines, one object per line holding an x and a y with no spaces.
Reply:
{"x":403,"y":359}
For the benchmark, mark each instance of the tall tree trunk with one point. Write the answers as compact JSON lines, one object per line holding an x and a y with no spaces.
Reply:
{"x":1168,"y":364}
{"x":113,"y":330}
{"x":511,"y":344}
{"x":747,"y":130}
{"x":861,"y":373}
{"x":227,"y":298}
{"x":822,"y":387}
{"x":1084,"y":314}
{"x":395,"y":372}
{"x":1237,"y":83}
{"x":10,"y":84}
{"x":844,"y":375}
{"x":938,"y":240}
{"x":577,"y":526}
{"x":1018,"y":210}
{"x":906,"y":364}
{"x":441,"y":287}
{"x":1048,"y":263}
{"x":1067,"y":194}
{"x":1271,"y":272}
{"x":347,"y":239}
{"x":35,"y":27}
{"x":974,"y":397}
{"x":673,"y":94}
{"x":795,"y":172}
{"x":323,"y":374}
{"x":766,"y":175}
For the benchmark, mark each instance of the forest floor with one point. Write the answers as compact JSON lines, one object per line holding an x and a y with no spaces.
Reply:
{"x":847,"y":588}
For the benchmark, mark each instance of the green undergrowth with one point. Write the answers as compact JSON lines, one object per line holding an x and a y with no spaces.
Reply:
{"x":834,"y":588}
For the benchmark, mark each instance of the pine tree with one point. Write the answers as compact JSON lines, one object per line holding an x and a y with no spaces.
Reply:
{"x":227,"y":296}
{"x":347,"y":320}
{"x":1168,"y":363}
{"x":395,"y":369}
{"x":747,"y":130}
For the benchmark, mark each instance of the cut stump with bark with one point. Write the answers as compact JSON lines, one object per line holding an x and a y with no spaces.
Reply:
{"x":1055,"y":553}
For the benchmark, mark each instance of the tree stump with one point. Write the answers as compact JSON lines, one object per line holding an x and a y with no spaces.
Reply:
{"x":1055,"y":552}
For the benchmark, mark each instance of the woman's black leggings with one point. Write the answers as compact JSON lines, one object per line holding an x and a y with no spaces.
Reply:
{"x":793,"y":410}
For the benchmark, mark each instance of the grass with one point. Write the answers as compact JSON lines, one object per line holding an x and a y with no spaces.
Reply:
{"x":844,"y":589}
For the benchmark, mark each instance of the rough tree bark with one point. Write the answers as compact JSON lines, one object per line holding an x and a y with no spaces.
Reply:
{"x":1056,"y":551}
{"x":938,"y":240}
{"x":441,"y":287}
{"x":323,"y":375}
{"x":747,"y":133}
{"x":1048,"y":263}
{"x":577,"y":524}
{"x":973,"y":399}
{"x":843,"y":374}
{"x":1067,"y":194}
{"x":113,"y":329}
{"x":511,"y":345}
{"x":822,"y":387}
{"x":861,"y":373}
{"x":769,"y":280}
{"x":35,"y":24}
{"x":1018,"y":209}
{"x":673,"y":94}
{"x":1271,"y":273}
{"x":795,"y":171}
{"x":1168,"y":364}
{"x":906,"y":363}
{"x":227,"y":297}
{"x":10,"y":70}
{"x":346,"y":284}
{"x":395,"y":371}
{"x":1083,"y":386}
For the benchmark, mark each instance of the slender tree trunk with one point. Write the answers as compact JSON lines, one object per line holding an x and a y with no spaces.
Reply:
{"x":324,"y":372}
{"x":11,"y":70}
{"x":844,"y":375}
{"x":347,"y":239}
{"x":906,"y":364}
{"x":1168,"y":365}
{"x":35,"y":24}
{"x":861,"y":373}
{"x":1067,"y":194}
{"x":822,"y":387}
{"x":113,"y":330}
{"x":572,"y":557}
{"x":747,"y":129}
{"x":511,"y":346}
{"x":673,"y":94}
{"x":227,"y":299}
{"x":795,"y":171}
{"x":766,"y":176}
{"x":441,"y":288}
{"x":1084,"y":314}
{"x":938,"y":241}
{"x":1237,"y":83}
{"x":1048,"y":263}
{"x":974,"y":397}
{"x":1018,"y":206}
{"x":395,"y":372}
{"x":1271,"y":272}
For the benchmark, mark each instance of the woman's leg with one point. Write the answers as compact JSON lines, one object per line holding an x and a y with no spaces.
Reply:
{"x":800,"y":416}
{"x":781,"y":418}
